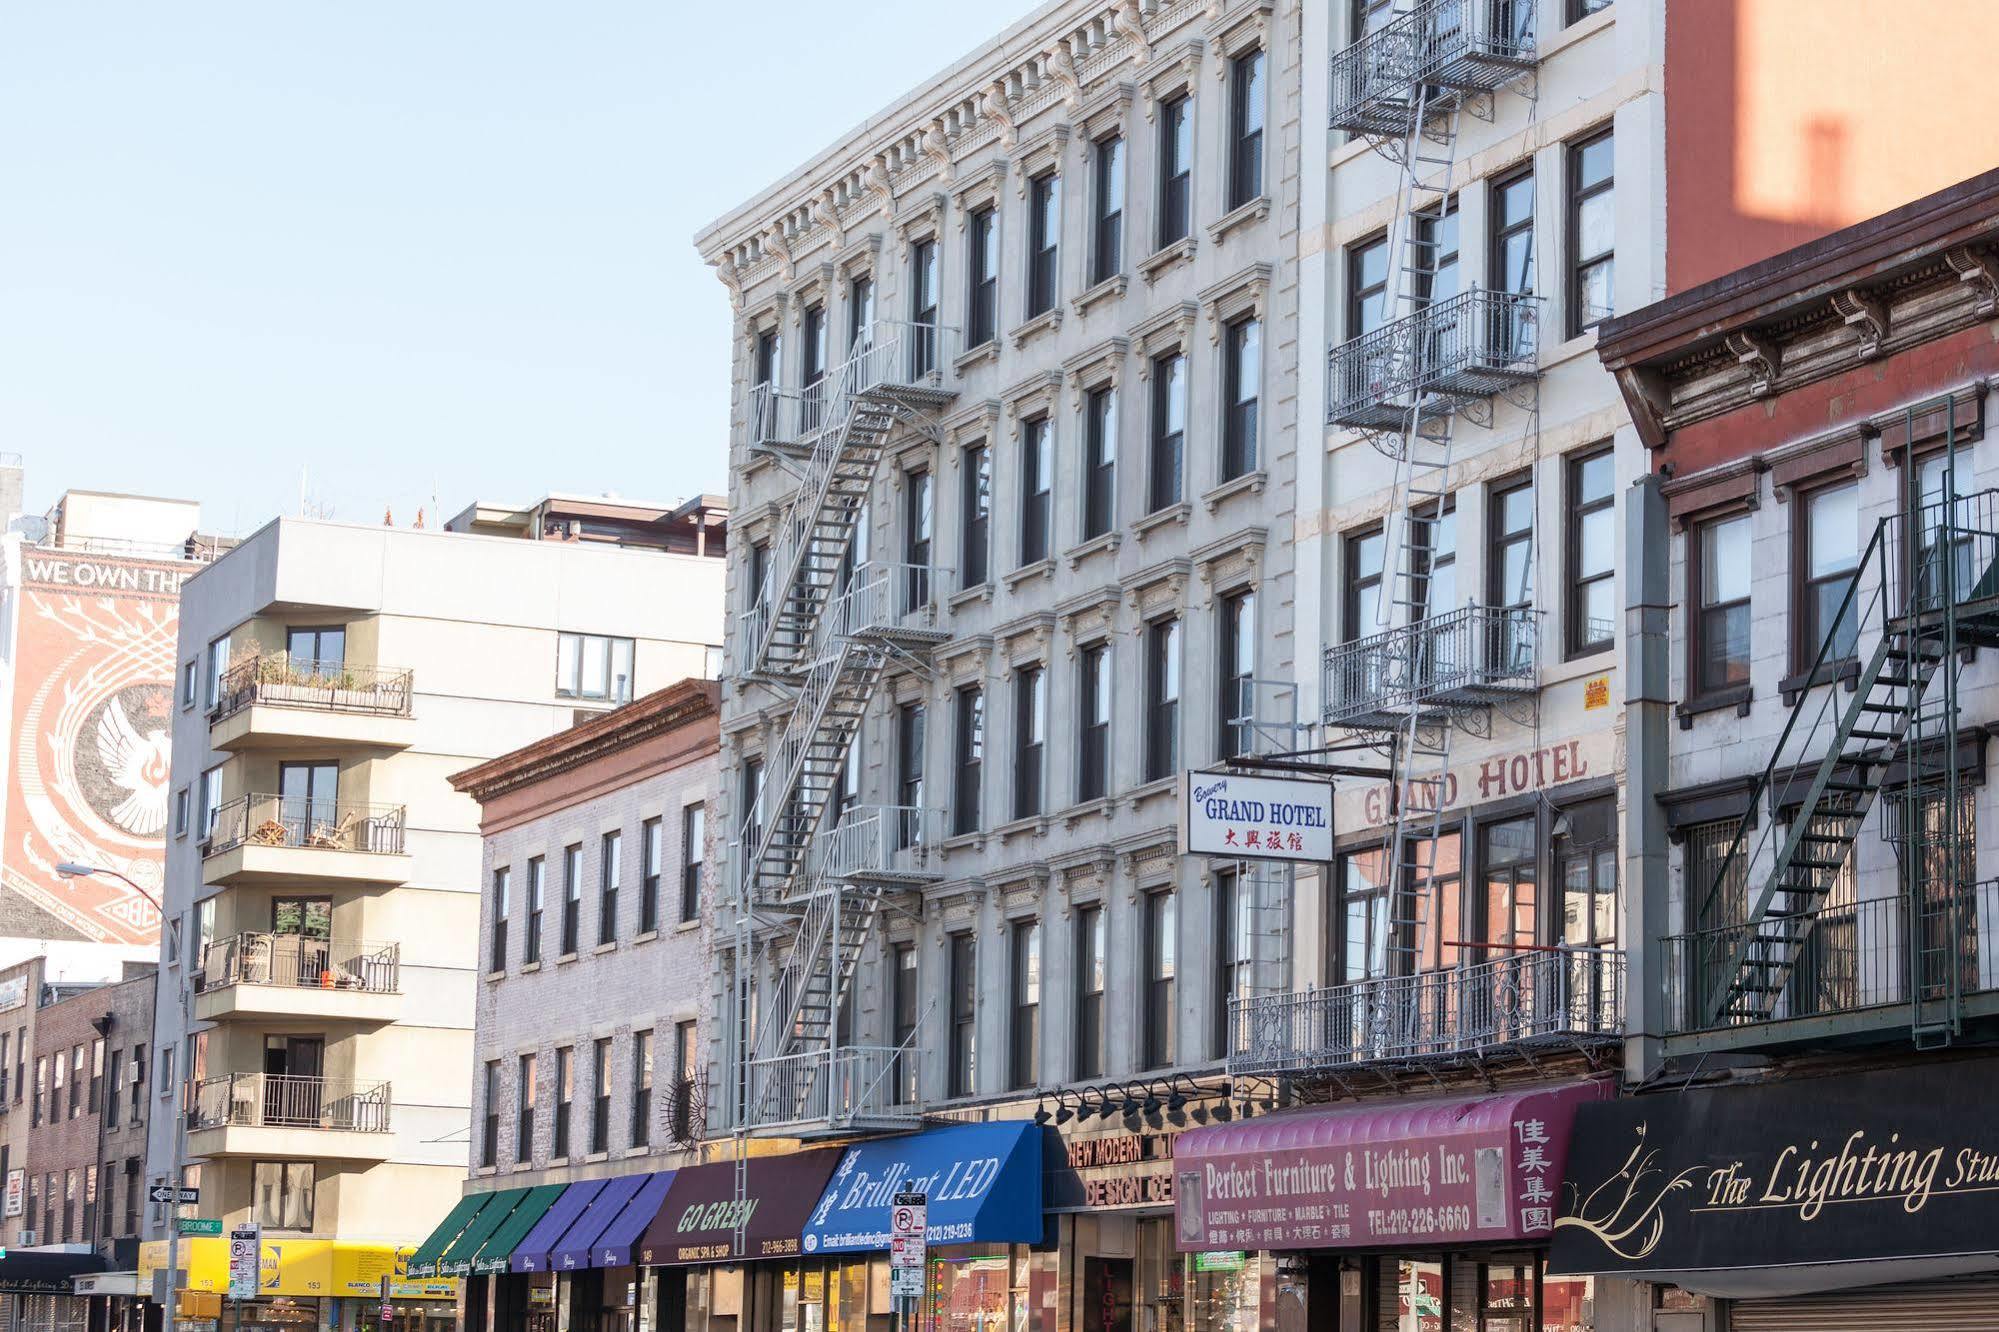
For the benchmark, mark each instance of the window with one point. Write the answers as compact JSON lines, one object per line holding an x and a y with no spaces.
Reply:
{"x":923,"y":306}
{"x":693,"y":857}
{"x":1235,"y":707}
{"x":652,"y":836}
{"x":1036,"y":489}
{"x":1246,"y":99}
{"x":970,"y":746}
{"x":769,"y":357}
{"x":97,"y":1072}
{"x":1107,"y":207}
{"x":1025,"y":990}
{"x":188,"y":674}
{"x":68,"y":1206}
{"x":1162,"y":699}
{"x":1434,"y":869}
{"x":42,"y":1086}
{"x":1592,"y":233}
{"x":1582,"y":9}
{"x":1030,"y":730}
{"x":76,"y":1077}
{"x":1367,"y":286}
{"x":1511,"y":266}
{"x":565,"y":1094}
{"x":311,"y":646}
{"x":1591,"y":611}
{"x":1176,"y":166}
{"x":183,"y":806}
{"x":812,"y":331}
{"x":753,"y":796}
{"x":641,"y":1088}
{"x":572,"y":899}
{"x":489,"y":1140}
{"x":1044,"y":195}
{"x":283,"y":1192}
{"x":1099,"y":462}
{"x":975,"y":474}
{"x":860,"y":313}
{"x":594,"y":667}
{"x":610,"y":868}
{"x":1433,"y":535}
{"x":1829,"y":553}
{"x":1509,"y":535}
{"x":502,"y":894}
{"x":1721,"y":627}
{"x":600,"y":1096}
{"x":964,"y":1014}
{"x":910,"y":721}
{"x":211,"y":800}
{"x":982,"y":303}
{"x":758,"y":574}
{"x":1090,"y":962}
{"x":902,"y":1011}
{"x":1232,"y":971}
{"x":537,"y":904}
{"x":137,"y":1110}
{"x":1169,"y":429}
{"x":1093,"y":759}
{"x":1507,"y":856}
{"x":218,"y":666}
{"x":1161,"y":953}
{"x":524,"y":1111}
{"x":1242,"y":373}
{"x":1437,"y":237}
{"x":918,"y":515}
{"x":132,"y":1194}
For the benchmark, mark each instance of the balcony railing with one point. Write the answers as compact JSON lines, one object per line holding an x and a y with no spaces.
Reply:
{"x":1553,"y":997}
{"x":885,"y":598}
{"x":1467,"y":347}
{"x":302,"y":962}
{"x":891,"y":353}
{"x":1452,"y":45}
{"x":299,"y":682}
{"x":885,"y":841}
{"x":301,"y":821}
{"x":275,"y":1100}
{"x":1846,"y":958}
{"x":1463,"y":658}
{"x":838,"y":1088}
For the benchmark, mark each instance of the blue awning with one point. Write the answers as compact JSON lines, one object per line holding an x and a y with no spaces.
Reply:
{"x":532,"y":1254}
{"x":573,"y":1249}
{"x":982,"y":1181}
{"x":614,"y":1246}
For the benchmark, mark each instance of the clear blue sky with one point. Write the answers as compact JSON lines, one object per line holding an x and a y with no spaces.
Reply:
{"x":410,"y":246}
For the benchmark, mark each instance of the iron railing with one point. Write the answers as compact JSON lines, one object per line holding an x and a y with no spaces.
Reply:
{"x":890,"y":353}
{"x":1462,"y":45}
{"x":1468,"y":346}
{"x":1545,"y":997}
{"x":1468,"y":655}
{"x":299,"y":682}
{"x":891,"y":840}
{"x":303,"y":962}
{"x":276,"y":1100}
{"x":837,"y":1087}
{"x":303,"y":821}
{"x":885,"y":597}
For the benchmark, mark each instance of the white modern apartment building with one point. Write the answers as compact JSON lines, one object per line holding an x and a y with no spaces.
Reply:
{"x":323,"y":876}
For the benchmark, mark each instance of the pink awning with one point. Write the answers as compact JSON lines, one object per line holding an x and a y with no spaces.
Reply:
{"x":1438,"y":1170}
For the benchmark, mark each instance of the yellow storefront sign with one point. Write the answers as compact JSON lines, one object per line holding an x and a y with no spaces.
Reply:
{"x":300,"y":1267}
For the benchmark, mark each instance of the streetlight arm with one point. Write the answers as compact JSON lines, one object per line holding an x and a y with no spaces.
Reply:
{"x":70,"y":869}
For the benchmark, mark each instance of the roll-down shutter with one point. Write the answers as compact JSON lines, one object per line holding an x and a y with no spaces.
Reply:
{"x":1929,"y":1306}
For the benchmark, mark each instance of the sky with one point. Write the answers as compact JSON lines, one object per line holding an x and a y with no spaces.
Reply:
{"x":371,"y":256}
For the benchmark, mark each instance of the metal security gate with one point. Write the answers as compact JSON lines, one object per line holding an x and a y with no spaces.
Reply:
{"x":1932,"y":1306}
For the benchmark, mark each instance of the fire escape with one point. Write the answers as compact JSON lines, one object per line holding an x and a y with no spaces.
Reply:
{"x":812,"y":874}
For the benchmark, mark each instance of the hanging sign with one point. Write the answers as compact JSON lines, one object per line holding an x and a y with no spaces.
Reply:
{"x":1256,"y":818}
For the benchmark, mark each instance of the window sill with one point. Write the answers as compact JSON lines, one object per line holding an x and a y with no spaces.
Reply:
{"x":1153,"y":265}
{"x":985,"y":351}
{"x":1102,"y":806}
{"x":1251,"y":482}
{"x":566,"y":957}
{"x":1151,"y":790}
{"x":966,"y":596}
{"x":527,"y":969}
{"x":1840,"y":672}
{"x":1158,"y":518}
{"x":687,"y":926}
{"x":493,"y":976}
{"x":1046,"y":322}
{"x":1737,"y":698}
{"x":1037,"y":824}
{"x":1110,"y":289}
{"x":1097,"y":545}
{"x":969,"y":841}
{"x":645,"y":936}
{"x":608,"y":946}
{"x":1592,"y":650}
{"x":1039,"y":569}
{"x":596,"y":1156}
{"x":1256,"y":210}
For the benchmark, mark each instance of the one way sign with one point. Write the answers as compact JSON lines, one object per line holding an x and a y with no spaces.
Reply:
{"x":167,"y":1193}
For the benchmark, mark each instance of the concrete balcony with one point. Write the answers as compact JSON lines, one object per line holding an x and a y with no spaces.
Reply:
{"x":280,"y":702}
{"x":274,"y":839}
{"x":279,"y":1116}
{"x":280,"y":977}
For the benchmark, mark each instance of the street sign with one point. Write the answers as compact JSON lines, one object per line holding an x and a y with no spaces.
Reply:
{"x":199,"y":1225}
{"x":167,"y":1193}
{"x":908,"y":1217}
{"x":245,"y":1243}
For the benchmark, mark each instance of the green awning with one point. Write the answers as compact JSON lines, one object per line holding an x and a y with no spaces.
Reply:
{"x":494,"y":1253}
{"x":423,"y":1263}
{"x":457,"y":1260}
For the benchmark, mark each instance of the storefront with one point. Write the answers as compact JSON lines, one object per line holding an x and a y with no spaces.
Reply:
{"x":38,"y":1289}
{"x":1405,"y":1216}
{"x":304,"y":1284}
{"x":1882,"y":1186}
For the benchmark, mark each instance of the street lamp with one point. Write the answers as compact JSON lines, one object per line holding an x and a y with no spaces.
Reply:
{"x":69,"y":869}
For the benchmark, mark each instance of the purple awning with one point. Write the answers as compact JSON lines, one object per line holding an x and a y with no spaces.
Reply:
{"x":532,"y":1255}
{"x":614,"y":1246}
{"x":573,"y":1249}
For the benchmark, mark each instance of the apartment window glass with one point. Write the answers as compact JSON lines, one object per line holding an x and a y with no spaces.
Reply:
{"x":982,"y":304}
{"x":188,"y":676}
{"x":1107,"y":189}
{"x":1507,"y":860}
{"x":1242,"y":375}
{"x":923,"y":306}
{"x":964,"y":994}
{"x":651,"y":851}
{"x":1093,"y":761}
{"x":1026,"y":996}
{"x":77,"y":1075}
{"x":1721,"y":640}
{"x":1030,"y":720}
{"x":910,"y":724}
{"x":1438,"y":237}
{"x":1176,"y":170}
{"x":1161,"y":966}
{"x":489,"y":1139}
{"x":975,"y":480}
{"x":182,"y":811}
{"x":536,"y":902}
{"x":42,"y":1086}
{"x":1162,"y":699}
{"x":218,"y":666}
{"x":211,"y":800}
{"x":600,"y":1095}
{"x":641,"y":1088}
{"x":1362,"y":950}
{"x":502,"y":895}
{"x":1246,"y":98}
{"x":1090,"y":984}
{"x":610,"y":868}
{"x":1582,"y":9}
{"x":860,"y":313}
{"x":1830,"y":547}
{"x":902,"y":1011}
{"x":137,"y":1109}
{"x":1169,"y":429}
{"x":593,"y":666}
{"x":1591,"y":611}
{"x":693,"y":855}
{"x":1592,"y":232}
{"x":1233,"y":924}
{"x":970,"y":747}
{"x":752,"y":795}
{"x":1509,"y":560}
{"x":1367,"y":286}
{"x":1037,"y":482}
{"x":1235,"y":704}
{"x":524,"y":1110}
{"x":572,"y":899}
{"x":1433,"y":533}
{"x":283,"y":1192}
{"x":1099,"y":462}
{"x":1044,"y":238}
{"x":812,"y":328}
{"x":769,"y":357}
{"x":1512,"y":262}
{"x":1433,"y":892}
{"x":133,"y":1191}
{"x":918,"y":516}
{"x":565,"y":1095}
{"x":97,"y":1072}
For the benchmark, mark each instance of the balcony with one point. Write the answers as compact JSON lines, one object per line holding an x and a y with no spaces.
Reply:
{"x":892,"y":358}
{"x":1500,"y":1010}
{"x":1453,"y":46}
{"x":888,"y":844}
{"x":287,"y":1116}
{"x":294,"y":839}
{"x":1460,"y":350}
{"x":277,"y":701}
{"x":285,"y":976}
{"x":893,"y":603}
{"x":1468,"y":658}
{"x":847,"y":1089}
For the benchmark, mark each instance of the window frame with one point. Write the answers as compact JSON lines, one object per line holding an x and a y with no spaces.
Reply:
{"x":489,"y":1136}
{"x":652,"y":857}
{"x":565,"y":1100}
{"x":1037,"y":490}
{"x":968,"y":744}
{"x":1249,"y":81}
{"x":610,"y":870}
{"x":1699,"y":610}
{"x":1107,"y":194}
{"x":1806,"y":633}
{"x":572,"y":901}
{"x":524,"y":1109}
{"x":1235,"y":635}
{"x":503,"y":891}
{"x":1242,"y":343}
{"x":1500,"y":538}
{"x":1099,"y":462}
{"x":1579,"y":194}
{"x":1044,"y":243}
{"x":693,"y":859}
{"x":600,"y":1096}
{"x":1164,"y":684}
{"x":1024,"y":980}
{"x":1166,"y":479}
{"x":923,"y":302}
{"x":912,"y":728}
{"x":1575,"y":640}
{"x":1359,"y":292}
{"x":1175,"y":214}
{"x":571,"y":652}
{"x":961,"y":997}
{"x":1092,"y":977}
{"x":1093,"y":748}
{"x":640,"y":1129}
{"x":975,"y":513}
{"x":982,"y":276}
{"x":1498,"y":234}
{"x":1160,"y":946}
{"x":1030,"y":745}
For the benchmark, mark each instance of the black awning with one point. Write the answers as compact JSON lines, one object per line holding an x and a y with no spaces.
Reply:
{"x":34,"y":1272}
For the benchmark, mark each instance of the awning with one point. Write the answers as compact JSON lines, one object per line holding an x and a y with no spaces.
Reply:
{"x":697,"y":1222}
{"x":982,"y":1183}
{"x":532,"y":1254}
{"x":495,"y":1253}
{"x":423,"y":1262}
{"x":614,"y":1246}
{"x":456,"y":1260}
{"x":1444,"y":1170}
{"x":573,"y":1249}
{"x":26,"y":1272}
